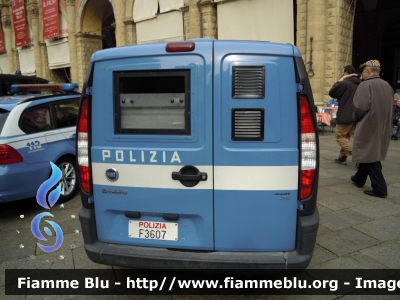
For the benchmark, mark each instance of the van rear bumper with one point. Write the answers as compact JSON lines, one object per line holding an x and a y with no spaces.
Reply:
{"x":160,"y":258}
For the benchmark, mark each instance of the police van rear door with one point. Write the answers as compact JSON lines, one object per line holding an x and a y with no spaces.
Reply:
{"x":255,"y":147}
{"x":152,"y":145}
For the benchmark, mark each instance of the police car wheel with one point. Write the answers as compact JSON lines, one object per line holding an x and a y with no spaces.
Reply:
{"x":69,"y":183}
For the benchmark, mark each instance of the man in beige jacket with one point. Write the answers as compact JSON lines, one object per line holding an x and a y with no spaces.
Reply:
{"x":373,"y":103}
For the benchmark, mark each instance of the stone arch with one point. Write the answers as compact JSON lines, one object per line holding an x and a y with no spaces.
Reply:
{"x":130,"y":27}
{"x":129,"y":9}
{"x":96,"y":18}
{"x":79,"y":13}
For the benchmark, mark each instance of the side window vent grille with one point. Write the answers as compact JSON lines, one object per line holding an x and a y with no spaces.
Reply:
{"x":248,"y":124}
{"x":248,"y":82}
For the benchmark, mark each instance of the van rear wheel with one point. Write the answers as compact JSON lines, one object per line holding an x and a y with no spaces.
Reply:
{"x":68,"y":181}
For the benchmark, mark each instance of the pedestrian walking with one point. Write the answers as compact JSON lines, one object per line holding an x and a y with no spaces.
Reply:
{"x":373,"y":103}
{"x":344,"y":91}
{"x":396,"y":120}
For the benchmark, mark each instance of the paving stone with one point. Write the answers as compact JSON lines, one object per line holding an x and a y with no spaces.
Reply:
{"x":321,"y":255}
{"x":332,"y":181}
{"x":10,"y":223}
{"x":53,"y":260}
{"x":377,"y":209}
{"x":384,"y":229}
{"x":325,"y":193}
{"x":355,"y":260}
{"x":360,"y":194}
{"x":81,"y":260}
{"x":324,"y":174}
{"x":11,"y":297}
{"x":17,"y":236}
{"x":387,"y":254}
{"x":388,"y":171}
{"x":392,"y":178}
{"x":76,"y":204}
{"x":344,"y":218}
{"x":345,"y":241}
{"x":322,"y":209}
{"x":322,"y":229}
{"x":13,"y":251}
{"x":70,"y":226}
{"x":346,"y":188}
{"x":393,"y":194}
{"x":341,"y":201}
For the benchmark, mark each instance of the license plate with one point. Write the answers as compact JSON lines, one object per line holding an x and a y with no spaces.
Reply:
{"x":153,"y":230}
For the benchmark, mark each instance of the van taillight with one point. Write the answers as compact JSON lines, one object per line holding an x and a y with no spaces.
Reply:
{"x":308,"y":149}
{"x":8,"y":155}
{"x":83,"y":147}
{"x":180,"y":47}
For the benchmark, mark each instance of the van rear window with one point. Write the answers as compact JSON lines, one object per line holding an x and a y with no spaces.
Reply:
{"x":155,"y":102}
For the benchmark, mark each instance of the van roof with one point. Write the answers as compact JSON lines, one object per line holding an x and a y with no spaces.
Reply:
{"x":159,"y":48}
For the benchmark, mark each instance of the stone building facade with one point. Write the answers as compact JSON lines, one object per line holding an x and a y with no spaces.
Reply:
{"x":322,"y":30}
{"x":324,"y":37}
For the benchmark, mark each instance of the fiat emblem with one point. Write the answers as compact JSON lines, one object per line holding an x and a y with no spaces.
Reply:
{"x":112,"y":174}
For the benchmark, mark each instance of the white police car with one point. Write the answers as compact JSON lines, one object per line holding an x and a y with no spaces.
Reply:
{"x":37,"y":125}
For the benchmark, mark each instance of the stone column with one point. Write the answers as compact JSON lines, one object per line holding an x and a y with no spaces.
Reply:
{"x":301,"y":34}
{"x":72,"y":40}
{"x":130,"y":29}
{"x":209,"y":19}
{"x":339,"y":41}
{"x":86,"y":45}
{"x":185,"y":11}
{"x":316,"y":23}
{"x":33,"y":15}
{"x":7,"y":34}
{"x":44,"y":61}
{"x":193,"y":29}
{"x":119,"y":14}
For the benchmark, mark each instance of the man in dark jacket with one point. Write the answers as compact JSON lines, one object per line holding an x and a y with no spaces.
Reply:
{"x":373,"y":104}
{"x":344,"y":91}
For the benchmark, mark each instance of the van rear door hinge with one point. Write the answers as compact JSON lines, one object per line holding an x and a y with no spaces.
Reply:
{"x":300,"y":206}
{"x":88,"y":90}
{"x":300,"y":87}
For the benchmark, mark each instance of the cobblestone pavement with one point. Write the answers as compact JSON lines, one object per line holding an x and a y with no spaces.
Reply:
{"x":356,"y":230}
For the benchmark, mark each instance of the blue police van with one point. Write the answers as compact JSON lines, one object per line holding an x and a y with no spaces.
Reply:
{"x":198,"y":154}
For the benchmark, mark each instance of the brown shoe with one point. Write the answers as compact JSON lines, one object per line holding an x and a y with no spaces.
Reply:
{"x":341,"y":160}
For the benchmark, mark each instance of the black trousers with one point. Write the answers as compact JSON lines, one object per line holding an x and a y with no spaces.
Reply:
{"x":374,"y":171}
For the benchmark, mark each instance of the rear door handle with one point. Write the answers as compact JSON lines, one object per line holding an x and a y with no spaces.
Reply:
{"x":200,"y":176}
{"x":189,"y":176}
